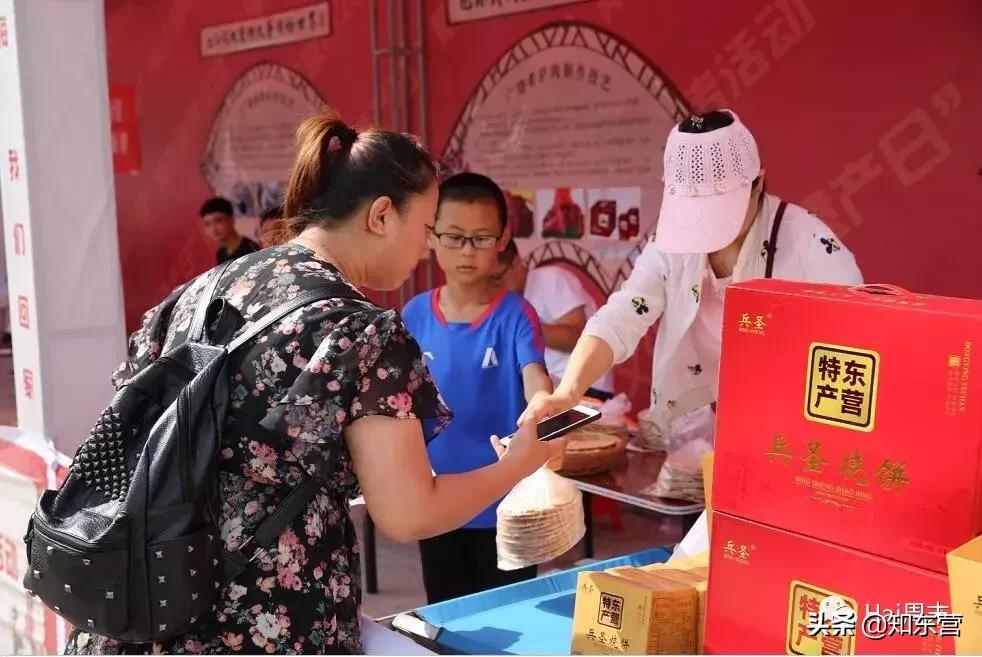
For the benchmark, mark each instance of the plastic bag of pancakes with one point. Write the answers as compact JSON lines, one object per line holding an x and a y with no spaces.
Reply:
{"x":540,"y":519}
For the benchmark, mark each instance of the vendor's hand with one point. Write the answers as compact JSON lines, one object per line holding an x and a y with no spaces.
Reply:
{"x":527,"y":452}
{"x":546,"y":404}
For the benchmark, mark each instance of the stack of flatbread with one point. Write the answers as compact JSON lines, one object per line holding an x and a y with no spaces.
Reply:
{"x":649,"y":435}
{"x":590,"y":453}
{"x":611,"y":426}
{"x":540,"y":519}
{"x":678,"y":483}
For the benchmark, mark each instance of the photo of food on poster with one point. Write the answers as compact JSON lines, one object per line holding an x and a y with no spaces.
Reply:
{"x":570,"y":123}
{"x":250,"y":147}
{"x":612,"y":213}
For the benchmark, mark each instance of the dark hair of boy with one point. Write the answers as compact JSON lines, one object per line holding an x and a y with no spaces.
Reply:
{"x":473,"y":187}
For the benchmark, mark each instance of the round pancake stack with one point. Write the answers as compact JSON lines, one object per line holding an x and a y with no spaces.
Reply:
{"x":612,"y":427}
{"x":539,"y":520}
{"x":590,"y":453}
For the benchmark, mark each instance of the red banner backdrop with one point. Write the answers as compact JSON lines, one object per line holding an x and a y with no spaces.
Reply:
{"x":864,"y":112}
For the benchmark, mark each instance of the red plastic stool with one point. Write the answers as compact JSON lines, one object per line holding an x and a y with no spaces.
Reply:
{"x":605,"y":506}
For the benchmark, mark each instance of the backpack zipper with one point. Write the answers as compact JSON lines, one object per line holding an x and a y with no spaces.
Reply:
{"x":184,"y":443}
{"x":68,"y":542}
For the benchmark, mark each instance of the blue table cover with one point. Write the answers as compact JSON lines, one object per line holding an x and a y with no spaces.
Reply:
{"x":533,"y":617}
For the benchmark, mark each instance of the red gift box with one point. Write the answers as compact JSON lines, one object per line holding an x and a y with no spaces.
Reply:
{"x":768,"y":590}
{"x":630,"y":224}
{"x":851,"y":416}
{"x":603,"y":218}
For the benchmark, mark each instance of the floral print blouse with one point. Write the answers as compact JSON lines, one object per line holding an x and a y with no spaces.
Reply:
{"x":294,"y":390}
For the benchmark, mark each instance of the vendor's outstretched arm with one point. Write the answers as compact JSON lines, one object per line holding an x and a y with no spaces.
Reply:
{"x":612,"y":334}
{"x":590,"y":360}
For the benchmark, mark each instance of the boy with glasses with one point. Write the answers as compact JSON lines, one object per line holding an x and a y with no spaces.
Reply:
{"x":484,"y":346}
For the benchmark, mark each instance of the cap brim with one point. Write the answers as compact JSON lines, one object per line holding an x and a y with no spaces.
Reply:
{"x":700,"y":224}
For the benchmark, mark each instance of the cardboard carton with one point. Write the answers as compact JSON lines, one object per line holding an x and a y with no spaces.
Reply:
{"x":766,"y":586}
{"x":707,"y":483}
{"x":641,"y":615}
{"x":852,"y":417}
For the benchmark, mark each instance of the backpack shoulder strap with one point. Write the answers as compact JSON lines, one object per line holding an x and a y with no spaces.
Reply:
{"x":270,"y":528}
{"x":297,"y":500}
{"x":303,"y":299}
{"x":197,"y":330}
{"x":772,"y":243}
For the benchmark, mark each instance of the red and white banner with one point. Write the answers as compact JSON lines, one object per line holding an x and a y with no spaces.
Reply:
{"x":16,"y":213}
{"x":462,"y":11}
{"x":28,"y":466}
{"x":299,"y":24}
{"x":59,"y":215}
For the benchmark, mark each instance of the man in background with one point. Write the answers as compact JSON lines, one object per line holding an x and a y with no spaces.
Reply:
{"x":563,"y":305}
{"x":219,"y":221}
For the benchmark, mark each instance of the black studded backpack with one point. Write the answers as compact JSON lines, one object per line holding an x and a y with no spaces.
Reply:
{"x":128,"y":547}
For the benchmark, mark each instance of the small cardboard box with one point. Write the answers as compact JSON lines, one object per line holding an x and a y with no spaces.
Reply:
{"x":869,"y":434}
{"x":642,"y":615}
{"x":965,"y":579}
{"x":696,"y":577}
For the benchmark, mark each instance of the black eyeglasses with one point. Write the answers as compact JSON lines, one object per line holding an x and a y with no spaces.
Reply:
{"x":455,"y":241}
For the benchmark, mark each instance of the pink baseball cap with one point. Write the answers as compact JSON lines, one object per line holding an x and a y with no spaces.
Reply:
{"x":708,"y":179}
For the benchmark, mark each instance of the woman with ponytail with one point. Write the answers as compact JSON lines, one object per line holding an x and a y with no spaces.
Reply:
{"x":337,"y":390}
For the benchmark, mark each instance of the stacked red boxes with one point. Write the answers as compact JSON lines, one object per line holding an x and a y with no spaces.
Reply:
{"x":849,"y":441}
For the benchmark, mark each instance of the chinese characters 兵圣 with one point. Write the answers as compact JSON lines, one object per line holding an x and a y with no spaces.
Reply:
{"x":890,"y":474}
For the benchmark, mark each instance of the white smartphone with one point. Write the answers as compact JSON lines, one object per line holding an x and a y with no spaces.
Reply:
{"x":562,"y":423}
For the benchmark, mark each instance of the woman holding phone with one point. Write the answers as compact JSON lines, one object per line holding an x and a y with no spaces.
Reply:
{"x":338,"y":388}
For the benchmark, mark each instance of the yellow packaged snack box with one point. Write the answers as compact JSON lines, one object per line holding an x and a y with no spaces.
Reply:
{"x":637,"y":615}
{"x":698,"y":578}
{"x":965,"y":580}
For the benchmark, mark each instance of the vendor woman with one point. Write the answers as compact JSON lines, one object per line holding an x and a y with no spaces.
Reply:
{"x":717,"y":225}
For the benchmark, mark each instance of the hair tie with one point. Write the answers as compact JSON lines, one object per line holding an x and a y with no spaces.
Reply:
{"x":343,"y":138}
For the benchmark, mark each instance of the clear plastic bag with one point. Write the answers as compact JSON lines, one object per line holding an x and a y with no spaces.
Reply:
{"x":616,"y":408}
{"x":650,"y":435}
{"x":690,"y":437}
{"x":540,"y":519}
{"x":613,"y":417}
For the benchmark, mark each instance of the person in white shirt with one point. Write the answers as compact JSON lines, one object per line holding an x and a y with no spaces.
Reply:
{"x":563,"y":304}
{"x":717,"y":225}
